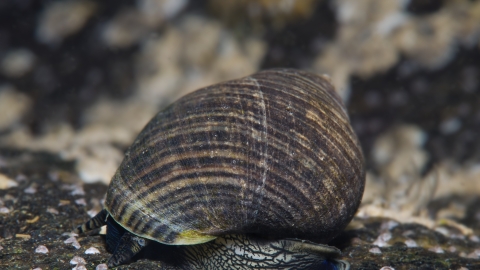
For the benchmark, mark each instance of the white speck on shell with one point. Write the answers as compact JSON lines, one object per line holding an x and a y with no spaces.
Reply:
{"x":41,"y":249}
{"x":101,"y":267}
{"x":77,"y":260}
{"x":411,"y":243}
{"x":92,"y":250}
{"x":38,"y":268}
{"x":4,"y":210}
{"x":1,"y":247}
{"x":375,"y":250}
{"x":387,"y":268}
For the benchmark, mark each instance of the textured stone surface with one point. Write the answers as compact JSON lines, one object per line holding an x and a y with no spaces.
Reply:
{"x":31,"y":222}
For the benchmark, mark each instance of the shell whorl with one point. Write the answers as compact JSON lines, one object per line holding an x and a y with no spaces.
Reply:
{"x":270,"y":154}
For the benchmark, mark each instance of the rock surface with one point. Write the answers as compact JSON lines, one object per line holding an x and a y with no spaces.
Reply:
{"x":61,"y":201}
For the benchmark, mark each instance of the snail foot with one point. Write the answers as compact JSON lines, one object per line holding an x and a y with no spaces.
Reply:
{"x":128,"y":247}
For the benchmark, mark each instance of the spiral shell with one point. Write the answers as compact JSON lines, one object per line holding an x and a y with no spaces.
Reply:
{"x":271,"y":154}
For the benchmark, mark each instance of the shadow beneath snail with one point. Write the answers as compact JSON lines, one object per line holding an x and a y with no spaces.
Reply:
{"x":239,"y":251}
{"x":176,"y":257}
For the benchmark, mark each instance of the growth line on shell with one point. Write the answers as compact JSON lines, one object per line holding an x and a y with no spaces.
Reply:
{"x":265,"y":136}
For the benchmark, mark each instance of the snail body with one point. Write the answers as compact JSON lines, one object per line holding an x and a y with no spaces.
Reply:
{"x":267,"y":160}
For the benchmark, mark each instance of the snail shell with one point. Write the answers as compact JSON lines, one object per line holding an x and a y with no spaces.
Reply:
{"x":272,"y":154}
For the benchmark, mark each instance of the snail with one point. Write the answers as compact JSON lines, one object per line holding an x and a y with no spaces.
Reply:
{"x":258,"y":172}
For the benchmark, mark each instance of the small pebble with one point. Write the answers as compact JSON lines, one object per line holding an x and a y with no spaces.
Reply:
{"x":1,"y":247}
{"x":17,"y":63}
{"x":382,"y":240}
{"x":41,"y":249}
{"x":387,"y":226}
{"x":4,"y":210}
{"x":457,"y":236}
{"x":474,"y":238}
{"x":462,"y":268}
{"x":77,"y":260}
{"x":54,"y":176}
{"x":70,"y":240}
{"x":101,"y":267}
{"x":33,"y":220}
{"x":6,"y":182}
{"x":436,"y":249}
{"x":411,"y":243}
{"x":81,"y":201}
{"x":92,"y":213}
{"x":73,"y":241}
{"x":443,"y":231}
{"x":92,"y":250}
{"x":23,"y":236}
{"x":70,"y":234}
{"x":387,"y":268}
{"x":80,"y":266}
{"x":21,"y":178}
{"x":63,"y":202}
{"x":375,"y":250}
{"x":38,"y":268}
{"x":475,"y":254}
{"x":30,"y":190}
{"x":52,"y":210}
{"x":78,"y":190}
{"x":450,"y":126}
{"x":452,"y":249}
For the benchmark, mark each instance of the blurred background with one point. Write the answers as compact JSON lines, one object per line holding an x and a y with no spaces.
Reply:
{"x":80,"y":79}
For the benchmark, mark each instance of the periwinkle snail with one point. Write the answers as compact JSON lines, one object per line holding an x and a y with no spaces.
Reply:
{"x":259,"y":172}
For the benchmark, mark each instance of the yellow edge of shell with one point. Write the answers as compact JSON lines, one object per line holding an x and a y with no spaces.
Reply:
{"x":193,"y":237}
{"x":189,"y":237}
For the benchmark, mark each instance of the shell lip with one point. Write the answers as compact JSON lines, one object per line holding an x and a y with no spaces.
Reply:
{"x":184,"y":238}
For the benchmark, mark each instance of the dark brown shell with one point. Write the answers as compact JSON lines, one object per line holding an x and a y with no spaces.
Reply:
{"x":271,"y":154}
